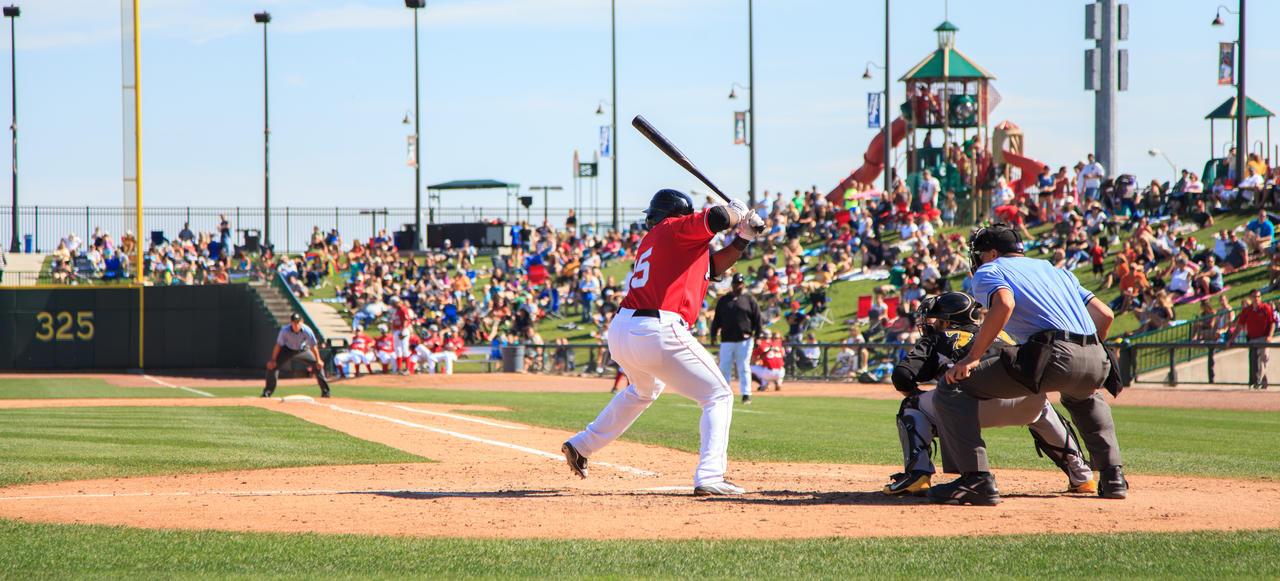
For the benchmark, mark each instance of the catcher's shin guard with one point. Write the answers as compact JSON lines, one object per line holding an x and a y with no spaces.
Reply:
{"x":1060,"y":456}
{"x":917,"y":450}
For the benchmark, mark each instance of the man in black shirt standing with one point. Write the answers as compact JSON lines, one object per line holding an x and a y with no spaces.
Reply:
{"x":737,"y":320}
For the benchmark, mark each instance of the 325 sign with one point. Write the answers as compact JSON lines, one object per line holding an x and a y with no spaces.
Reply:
{"x":64,"y":326}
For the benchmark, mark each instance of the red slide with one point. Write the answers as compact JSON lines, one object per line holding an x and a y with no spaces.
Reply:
{"x":872,"y":162}
{"x":1030,"y":171}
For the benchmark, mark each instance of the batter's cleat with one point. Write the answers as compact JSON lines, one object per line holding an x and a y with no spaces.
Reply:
{"x":577,"y":462}
{"x":1113,"y":483}
{"x":746,"y":400}
{"x":977,"y":488}
{"x":1086,"y":487}
{"x":722,"y":488}
{"x":324,"y":393}
{"x":915,"y":483}
{"x":266,"y":393}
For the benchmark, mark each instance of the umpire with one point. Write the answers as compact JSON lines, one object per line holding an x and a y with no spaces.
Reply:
{"x":1060,"y":326}
{"x":295,"y":341}
{"x":737,"y":319}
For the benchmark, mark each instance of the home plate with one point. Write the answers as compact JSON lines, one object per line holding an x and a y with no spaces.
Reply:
{"x":298,"y":398}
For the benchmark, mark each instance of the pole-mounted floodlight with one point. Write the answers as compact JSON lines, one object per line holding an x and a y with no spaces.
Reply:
{"x":12,"y":13}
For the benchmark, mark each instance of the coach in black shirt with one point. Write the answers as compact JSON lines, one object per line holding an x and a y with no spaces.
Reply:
{"x":737,"y":320}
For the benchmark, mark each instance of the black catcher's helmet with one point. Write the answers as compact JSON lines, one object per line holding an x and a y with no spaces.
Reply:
{"x":667,"y":203}
{"x":1000,"y":237}
{"x":955,"y":307}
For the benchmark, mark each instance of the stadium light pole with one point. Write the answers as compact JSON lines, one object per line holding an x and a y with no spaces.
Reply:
{"x":263,"y":18}
{"x":613,"y":125}
{"x":1155,"y":152}
{"x":1242,"y":114}
{"x":546,"y":219}
{"x":885,"y":123}
{"x":12,"y":13}
{"x":417,"y":131}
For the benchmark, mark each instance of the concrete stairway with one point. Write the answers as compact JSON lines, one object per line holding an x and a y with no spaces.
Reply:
{"x":276,"y":302}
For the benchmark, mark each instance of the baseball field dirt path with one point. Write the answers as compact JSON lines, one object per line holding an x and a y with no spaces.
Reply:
{"x":503,"y":480}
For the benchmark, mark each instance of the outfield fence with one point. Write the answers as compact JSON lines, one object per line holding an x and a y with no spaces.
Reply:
{"x":291,"y":227}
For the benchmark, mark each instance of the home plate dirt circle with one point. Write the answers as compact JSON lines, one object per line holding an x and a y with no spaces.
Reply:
{"x":498,"y":479}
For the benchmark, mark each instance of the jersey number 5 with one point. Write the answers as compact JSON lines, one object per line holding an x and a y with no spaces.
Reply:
{"x":640,"y":272}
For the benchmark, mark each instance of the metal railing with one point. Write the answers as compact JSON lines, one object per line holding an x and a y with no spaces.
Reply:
{"x":1179,"y":367}
{"x":867,"y":360}
{"x":291,"y":227}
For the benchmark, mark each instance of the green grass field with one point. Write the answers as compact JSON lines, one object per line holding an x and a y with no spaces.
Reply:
{"x":49,"y":444}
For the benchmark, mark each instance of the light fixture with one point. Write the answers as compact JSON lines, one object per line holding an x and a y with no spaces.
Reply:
{"x":866,"y":74}
{"x":732,"y":95}
{"x":259,"y":17}
{"x":406,"y":118}
{"x":1217,"y":20}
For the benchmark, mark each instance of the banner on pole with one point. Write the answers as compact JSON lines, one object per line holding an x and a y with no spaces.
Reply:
{"x":587,"y":169}
{"x":413,"y":151}
{"x":1226,"y":63}
{"x":606,"y":141}
{"x":739,"y":127}
{"x":873,"y":110}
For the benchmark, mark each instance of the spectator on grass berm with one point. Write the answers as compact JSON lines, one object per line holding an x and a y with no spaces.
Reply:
{"x":1259,"y":233}
{"x":1209,"y":280}
{"x":1237,"y":255}
{"x":1257,"y":320}
{"x":295,"y":341}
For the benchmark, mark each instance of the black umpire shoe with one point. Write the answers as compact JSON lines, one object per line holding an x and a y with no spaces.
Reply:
{"x":978,"y":488}
{"x":266,"y":393}
{"x":1113,"y":483}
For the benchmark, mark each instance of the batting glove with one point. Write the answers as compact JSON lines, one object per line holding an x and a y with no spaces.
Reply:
{"x":750,"y":227}
{"x":740,"y":208}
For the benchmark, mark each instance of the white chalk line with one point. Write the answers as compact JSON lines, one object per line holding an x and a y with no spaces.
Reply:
{"x":167,"y":384}
{"x":452,"y":416}
{"x":469,"y":437}
{"x":237,"y":493}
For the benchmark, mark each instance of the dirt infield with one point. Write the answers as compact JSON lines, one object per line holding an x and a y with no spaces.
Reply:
{"x":503,"y":480}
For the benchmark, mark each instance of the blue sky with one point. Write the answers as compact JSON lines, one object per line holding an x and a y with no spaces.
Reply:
{"x":510,"y":87}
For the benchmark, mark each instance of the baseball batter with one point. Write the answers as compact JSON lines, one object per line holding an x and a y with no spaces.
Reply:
{"x":650,"y":339}
{"x":948,"y":325}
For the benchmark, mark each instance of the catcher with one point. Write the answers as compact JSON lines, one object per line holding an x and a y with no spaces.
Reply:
{"x":947,"y":324}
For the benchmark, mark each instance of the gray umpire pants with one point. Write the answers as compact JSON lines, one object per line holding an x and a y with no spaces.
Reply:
{"x":1075,"y":371}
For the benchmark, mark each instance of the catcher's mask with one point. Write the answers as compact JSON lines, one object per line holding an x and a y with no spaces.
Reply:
{"x":958,"y":308}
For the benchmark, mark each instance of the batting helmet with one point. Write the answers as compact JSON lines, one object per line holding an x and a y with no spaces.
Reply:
{"x":955,"y":307}
{"x":667,"y":203}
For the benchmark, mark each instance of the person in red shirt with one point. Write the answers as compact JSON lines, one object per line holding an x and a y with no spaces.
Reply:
{"x":770,"y":360}
{"x":357,"y":353}
{"x":1258,"y":321}
{"x":649,"y":336}
{"x":402,"y":329}
{"x":384,"y":347}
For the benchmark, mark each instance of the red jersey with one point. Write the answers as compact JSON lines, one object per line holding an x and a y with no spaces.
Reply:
{"x":432,"y":343}
{"x":385,"y":344}
{"x":401,"y":317}
{"x":769,"y":353}
{"x":1256,"y":320}
{"x":458,"y":344}
{"x":1098,"y":255}
{"x":361,"y":342}
{"x":673,"y":265}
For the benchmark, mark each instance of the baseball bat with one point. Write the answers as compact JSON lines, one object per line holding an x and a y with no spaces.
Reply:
{"x":646,"y":129}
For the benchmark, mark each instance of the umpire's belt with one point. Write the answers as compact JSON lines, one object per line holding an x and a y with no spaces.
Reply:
{"x":1076,"y":338}
{"x":646,"y":313}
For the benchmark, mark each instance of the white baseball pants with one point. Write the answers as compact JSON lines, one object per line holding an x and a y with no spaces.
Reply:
{"x":737,"y":355}
{"x":655,"y":352}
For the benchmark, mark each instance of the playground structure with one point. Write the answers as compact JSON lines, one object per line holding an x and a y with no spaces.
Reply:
{"x":949,"y":100}
{"x":1217,"y":165}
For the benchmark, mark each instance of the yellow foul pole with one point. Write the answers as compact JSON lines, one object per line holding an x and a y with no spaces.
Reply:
{"x":131,"y":65}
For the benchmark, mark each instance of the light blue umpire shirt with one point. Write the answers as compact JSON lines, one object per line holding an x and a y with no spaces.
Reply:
{"x":1047,"y":297}
{"x":298,"y":341}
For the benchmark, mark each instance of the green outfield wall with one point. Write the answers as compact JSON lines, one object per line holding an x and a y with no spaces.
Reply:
{"x":95,"y":327}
